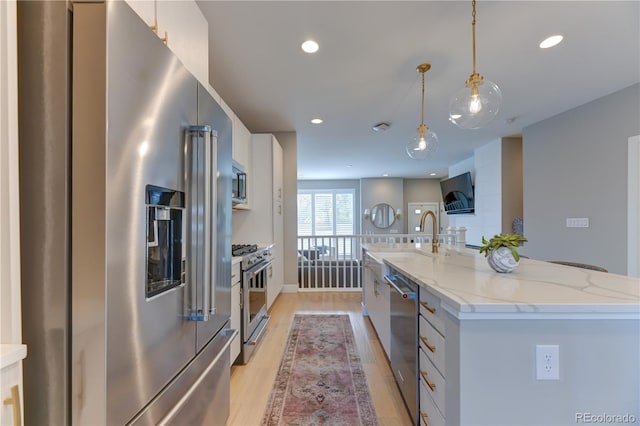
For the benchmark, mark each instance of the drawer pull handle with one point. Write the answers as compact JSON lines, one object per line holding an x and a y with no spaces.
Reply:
{"x":424,"y":416}
{"x":14,"y":401}
{"x":432,"y":348}
{"x":432,"y":386}
{"x":428,"y":308}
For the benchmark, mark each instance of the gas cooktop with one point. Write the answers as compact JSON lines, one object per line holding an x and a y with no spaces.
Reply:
{"x":242,"y":249}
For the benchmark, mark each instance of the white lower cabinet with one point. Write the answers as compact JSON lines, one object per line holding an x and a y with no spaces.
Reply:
{"x":11,"y":395}
{"x":431,"y":366}
{"x":377,"y":302}
{"x":235,"y":310}
{"x":429,"y":414}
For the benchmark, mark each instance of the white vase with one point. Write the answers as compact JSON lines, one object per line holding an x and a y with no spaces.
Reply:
{"x":502,"y":260}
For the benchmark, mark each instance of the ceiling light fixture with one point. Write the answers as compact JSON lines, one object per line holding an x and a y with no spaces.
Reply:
{"x":432,"y":174}
{"x":550,"y":41}
{"x":316,"y":120}
{"x":310,"y":46}
{"x":425,"y":142}
{"x":479,"y":101}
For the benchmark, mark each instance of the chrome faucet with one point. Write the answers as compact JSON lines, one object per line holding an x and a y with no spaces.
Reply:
{"x":434,"y":239}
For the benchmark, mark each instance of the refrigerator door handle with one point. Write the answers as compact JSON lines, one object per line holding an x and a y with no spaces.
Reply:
{"x":208,"y":236}
{"x":211,"y":203}
{"x":199,"y":156}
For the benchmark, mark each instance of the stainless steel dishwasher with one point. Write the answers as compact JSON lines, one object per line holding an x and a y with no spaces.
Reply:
{"x":404,"y":338}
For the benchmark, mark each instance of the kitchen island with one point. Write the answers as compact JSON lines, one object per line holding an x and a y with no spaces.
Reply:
{"x":480,"y":333}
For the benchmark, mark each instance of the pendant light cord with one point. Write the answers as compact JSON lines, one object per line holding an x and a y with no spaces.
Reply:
{"x":423,"y":68}
{"x":422,"y":114}
{"x":473,"y":32}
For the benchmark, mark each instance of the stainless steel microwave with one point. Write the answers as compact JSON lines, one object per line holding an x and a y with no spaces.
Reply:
{"x":239,"y":184}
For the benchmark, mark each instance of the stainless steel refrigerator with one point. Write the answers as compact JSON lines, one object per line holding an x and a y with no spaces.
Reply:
{"x":125,"y":174}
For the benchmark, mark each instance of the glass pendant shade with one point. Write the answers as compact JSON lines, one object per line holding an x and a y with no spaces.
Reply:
{"x":421,"y":147}
{"x":424,"y":142}
{"x":473,"y":107}
{"x":479,"y":101}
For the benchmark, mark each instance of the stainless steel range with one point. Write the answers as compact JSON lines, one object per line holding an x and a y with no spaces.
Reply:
{"x":257,"y":269}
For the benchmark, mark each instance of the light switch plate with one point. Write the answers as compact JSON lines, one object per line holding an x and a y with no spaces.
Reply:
{"x":577,"y":222}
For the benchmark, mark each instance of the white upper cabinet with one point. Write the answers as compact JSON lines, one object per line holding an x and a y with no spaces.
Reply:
{"x":187,"y":35}
{"x":146,"y":9}
{"x":277,"y":171}
{"x":241,"y":143}
{"x":185,"y":28}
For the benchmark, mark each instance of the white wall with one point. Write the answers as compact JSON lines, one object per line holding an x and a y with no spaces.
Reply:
{"x":486,"y":174}
{"x":381,"y":190}
{"x":575,"y":165}
{"x":419,"y":191}
{"x":511,"y":182}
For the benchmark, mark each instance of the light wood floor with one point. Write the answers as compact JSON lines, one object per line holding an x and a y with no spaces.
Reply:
{"x":251,"y":384}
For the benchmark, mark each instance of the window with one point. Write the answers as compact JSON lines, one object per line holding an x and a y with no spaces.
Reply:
{"x":327,"y":212}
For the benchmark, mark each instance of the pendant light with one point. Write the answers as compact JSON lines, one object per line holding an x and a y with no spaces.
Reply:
{"x":479,"y":101}
{"x":425,"y":142}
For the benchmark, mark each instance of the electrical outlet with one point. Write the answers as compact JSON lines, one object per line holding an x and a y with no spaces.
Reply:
{"x":547,"y":362}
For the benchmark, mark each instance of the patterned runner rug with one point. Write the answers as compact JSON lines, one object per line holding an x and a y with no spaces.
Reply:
{"x":320,"y":380}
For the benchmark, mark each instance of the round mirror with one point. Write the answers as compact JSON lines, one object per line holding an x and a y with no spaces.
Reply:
{"x":383,"y":215}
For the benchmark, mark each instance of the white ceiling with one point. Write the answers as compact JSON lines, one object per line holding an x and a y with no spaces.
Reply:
{"x":365,"y":72}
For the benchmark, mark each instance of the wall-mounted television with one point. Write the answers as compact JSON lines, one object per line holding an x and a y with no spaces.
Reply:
{"x":457,"y":194}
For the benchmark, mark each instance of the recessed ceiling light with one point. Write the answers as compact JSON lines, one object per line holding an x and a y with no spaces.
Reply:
{"x":310,"y":46}
{"x":550,"y":41}
{"x":316,"y":120}
{"x":432,"y":174}
{"x":385,"y":175}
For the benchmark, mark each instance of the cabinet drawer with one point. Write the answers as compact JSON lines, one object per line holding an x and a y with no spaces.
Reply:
{"x":429,"y":414}
{"x":432,"y":380}
{"x":235,"y":273}
{"x":433,"y":344}
{"x":431,"y":310}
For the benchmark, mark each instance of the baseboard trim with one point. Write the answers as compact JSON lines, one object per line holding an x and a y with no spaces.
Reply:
{"x":290,"y":288}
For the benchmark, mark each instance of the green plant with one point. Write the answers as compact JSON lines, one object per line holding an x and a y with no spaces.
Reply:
{"x":510,"y":241}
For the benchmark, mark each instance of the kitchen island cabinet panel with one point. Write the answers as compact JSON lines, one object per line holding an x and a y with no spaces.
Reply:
{"x":491,"y":324}
{"x":599,"y":371}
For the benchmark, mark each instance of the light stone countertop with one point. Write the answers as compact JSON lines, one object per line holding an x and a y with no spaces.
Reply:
{"x":11,"y":353}
{"x":469,"y":288}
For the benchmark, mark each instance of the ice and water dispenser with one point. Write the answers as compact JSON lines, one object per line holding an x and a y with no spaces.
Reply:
{"x":165,"y":239}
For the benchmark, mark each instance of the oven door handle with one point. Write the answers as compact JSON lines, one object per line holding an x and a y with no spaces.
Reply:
{"x":256,"y":269}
